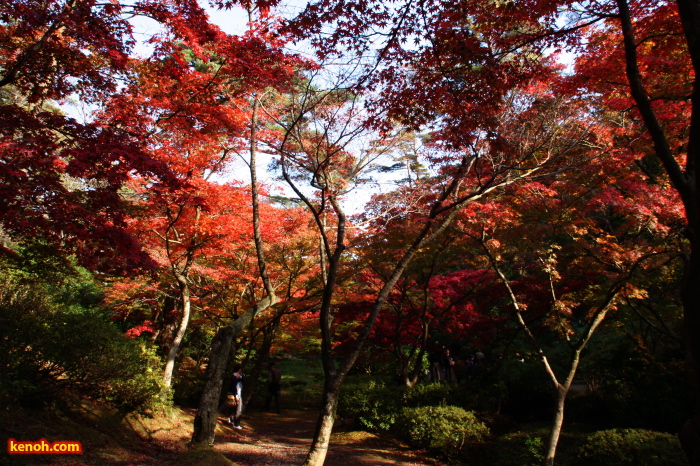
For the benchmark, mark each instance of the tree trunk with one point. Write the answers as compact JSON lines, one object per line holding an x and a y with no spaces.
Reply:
{"x":182,"y":328}
{"x":557,"y":424}
{"x":169,"y":316}
{"x":562,"y":390}
{"x":418,"y":364}
{"x":411,"y":365}
{"x":324,"y":427}
{"x":417,"y":368}
{"x":207,"y":414}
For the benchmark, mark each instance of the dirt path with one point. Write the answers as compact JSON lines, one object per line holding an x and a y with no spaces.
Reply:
{"x":267,"y":439}
{"x":284,"y":439}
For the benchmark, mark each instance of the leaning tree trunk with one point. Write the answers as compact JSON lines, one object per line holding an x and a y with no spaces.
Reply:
{"x":417,"y":370}
{"x":324,"y":427}
{"x":182,"y":328}
{"x":208,"y":412}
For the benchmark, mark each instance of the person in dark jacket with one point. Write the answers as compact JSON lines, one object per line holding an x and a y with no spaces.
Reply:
{"x":237,"y":389}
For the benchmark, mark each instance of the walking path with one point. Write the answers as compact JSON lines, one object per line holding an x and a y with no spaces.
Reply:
{"x":284,"y":439}
{"x":109,"y":439}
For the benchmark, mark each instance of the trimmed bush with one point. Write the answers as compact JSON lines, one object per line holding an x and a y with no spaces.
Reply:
{"x":443,"y":430}
{"x":429,"y":394}
{"x":631,"y":447}
{"x":372,"y":404}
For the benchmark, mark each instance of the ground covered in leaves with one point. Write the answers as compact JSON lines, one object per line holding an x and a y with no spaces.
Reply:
{"x":109,"y":438}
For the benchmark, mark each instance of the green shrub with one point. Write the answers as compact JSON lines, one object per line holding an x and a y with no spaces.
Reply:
{"x":49,"y":345}
{"x":631,"y":447}
{"x":520,"y":449}
{"x":444,"y":430}
{"x":372,"y":404}
{"x":429,"y":394}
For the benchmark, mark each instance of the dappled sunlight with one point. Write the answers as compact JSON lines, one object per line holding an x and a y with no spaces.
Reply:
{"x":284,"y":439}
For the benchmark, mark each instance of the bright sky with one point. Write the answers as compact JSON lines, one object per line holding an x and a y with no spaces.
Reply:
{"x":234,"y":21}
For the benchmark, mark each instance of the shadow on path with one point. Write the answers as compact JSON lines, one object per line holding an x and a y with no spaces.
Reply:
{"x":284,"y":439}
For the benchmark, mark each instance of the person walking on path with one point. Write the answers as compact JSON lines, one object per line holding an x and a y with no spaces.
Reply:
{"x":274,"y":376}
{"x":237,"y":389}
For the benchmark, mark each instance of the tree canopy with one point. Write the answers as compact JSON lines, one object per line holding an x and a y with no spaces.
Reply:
{"x":529,"y":170}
